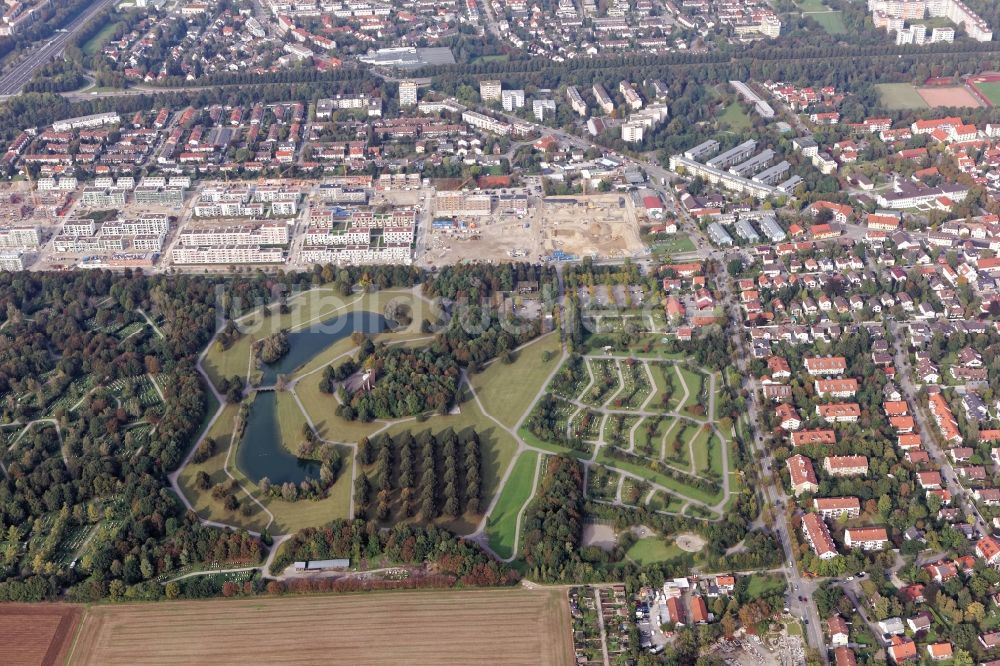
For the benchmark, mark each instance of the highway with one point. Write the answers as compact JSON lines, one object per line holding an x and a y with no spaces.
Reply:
{"x":22,"y":71}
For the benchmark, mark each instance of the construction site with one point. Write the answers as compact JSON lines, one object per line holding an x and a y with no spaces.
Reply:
{"x":601,"y":226}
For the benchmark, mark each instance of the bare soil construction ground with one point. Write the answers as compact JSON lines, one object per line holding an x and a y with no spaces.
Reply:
{"x":421,"y":627}
{"x":603,"y":226}
{"x":36,"y":633}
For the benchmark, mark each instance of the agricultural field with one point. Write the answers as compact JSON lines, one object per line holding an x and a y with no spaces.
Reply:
{"x":526,"y":627}
{"x":37,"y":633}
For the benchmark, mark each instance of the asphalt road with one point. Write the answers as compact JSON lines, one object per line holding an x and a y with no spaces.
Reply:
{"x":21,"y":72}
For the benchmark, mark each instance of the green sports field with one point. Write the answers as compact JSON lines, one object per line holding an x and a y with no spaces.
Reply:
{"x":900,"y":97}
{"x":991,"y":90}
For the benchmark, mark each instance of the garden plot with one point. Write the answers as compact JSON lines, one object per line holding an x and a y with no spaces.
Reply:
{"x":586,"y":425}
{"x":649,"y":436}
{"x":636,"y":389}
{"x":616,"y":429}
{"x":602,"y":483}
{"x":130,"y":330}
{"x":141,"y":387}
{"x":634,"y":492}
{"x":606,"y":382}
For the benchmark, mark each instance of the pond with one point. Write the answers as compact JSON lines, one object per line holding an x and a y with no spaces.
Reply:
{"x":304,"y":345}
{"x":261,"y":452}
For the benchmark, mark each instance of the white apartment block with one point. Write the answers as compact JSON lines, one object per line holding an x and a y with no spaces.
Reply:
{"x":576,"y":100}
{"x":20,"y":237}
{"x":632,"y":98}
{"x":890,"y":14}
{"x":490,"y":90}
{"x":357,"y":254}
{"x":64,"y":184}
{"x":229,"y":209}
{"x":233,"y":254}
{"x":326,"y":106}
{"x":79,"y":227}
{"x":603,"y":98}
{"x":632,"y":132}
{"x":512,"y":99}
{"x":407,"y":93}
{"x":11,"y":261}
{"x":159,"y":196}
{"x":87,"y":122}
{"x":482,"y":122}
{"x":101,"y":198}
{"x":271,"y":233}
{"x":540,"y":107}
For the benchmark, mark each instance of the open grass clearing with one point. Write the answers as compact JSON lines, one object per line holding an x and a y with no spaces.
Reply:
{"x":288,"y":516}
{"x":651,"y":550}
{"x":763,"y":584}
{"x":97,"y":42}
{"x":693,"y":380}
{"x":501,"y":528}
{"x":900,"y":97}
{"x":734,"y":118}
{"x":699,"y":449}
{"x":508,"y":390}
{"x":427,"y":627}
{"x":991,"y":89}
{"x":676,"y":244}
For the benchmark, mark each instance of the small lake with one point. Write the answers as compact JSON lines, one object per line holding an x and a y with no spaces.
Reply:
{"x":305,"y":344}
{"x":261,"y":453}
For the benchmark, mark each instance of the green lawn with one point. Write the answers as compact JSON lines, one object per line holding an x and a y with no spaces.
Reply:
{"x":97,"y":42}
{"x":831,"y":21}
{"x":500,"y":57}
{"x":501,"y":528}
{"x":693,"y":380}
{"x":507,"y":391}
{"x":991,"y":90}
{"x":665,"y":374}
{"x":761,"y":585}
{"x":734,"y":118}
{"x":652,"y":549}
{"x":204,"y":504}
{"x":715,"y":455}
{"x":676,"y":244}
{"x":900,"y":97}
{"x":699,"y":449}
{"x":309,"y":308}
{"x":321,"y":407}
